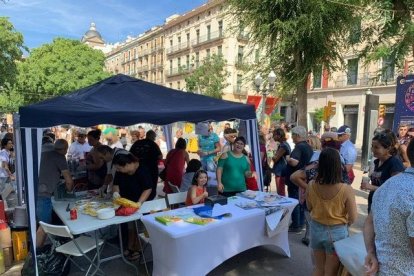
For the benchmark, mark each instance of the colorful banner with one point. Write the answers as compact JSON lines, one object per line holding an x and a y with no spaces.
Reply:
{"x":404,"y":102}
{"x":270,"y":104}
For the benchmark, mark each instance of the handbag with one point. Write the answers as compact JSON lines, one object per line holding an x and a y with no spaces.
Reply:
{"x":351,"y":252}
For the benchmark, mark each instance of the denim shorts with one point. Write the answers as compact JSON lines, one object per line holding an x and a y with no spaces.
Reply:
{"x":323,"y":236}
{"x":44,"y":209}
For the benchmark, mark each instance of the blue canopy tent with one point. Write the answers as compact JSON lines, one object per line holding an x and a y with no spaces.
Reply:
{"x":119,"y":100}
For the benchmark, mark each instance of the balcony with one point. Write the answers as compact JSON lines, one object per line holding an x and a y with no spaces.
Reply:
{"x":213,"y":36}
{"x":242,"y":36}
{"x":361,"y":80}
{"x":240,"y":90}
{"x":177,"y":71}
{"x":242,"y":65}
{"x":177,"y":48}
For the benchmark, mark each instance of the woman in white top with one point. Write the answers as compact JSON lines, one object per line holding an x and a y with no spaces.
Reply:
{"x":5,"y":155}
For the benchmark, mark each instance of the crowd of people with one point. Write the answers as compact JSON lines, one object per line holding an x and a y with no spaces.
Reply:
{"x":316,"y":170}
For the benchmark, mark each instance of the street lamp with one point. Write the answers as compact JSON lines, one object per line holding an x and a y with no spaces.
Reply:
{"x":271,"y":78}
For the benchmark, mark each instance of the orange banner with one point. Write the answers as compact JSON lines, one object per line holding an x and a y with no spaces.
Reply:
{"x":270,"y":103}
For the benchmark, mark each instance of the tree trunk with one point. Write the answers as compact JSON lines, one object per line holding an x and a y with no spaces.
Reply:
{"x":302,"y":104}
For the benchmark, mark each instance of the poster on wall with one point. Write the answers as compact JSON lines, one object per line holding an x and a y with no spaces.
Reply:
{"x":404,"y":102}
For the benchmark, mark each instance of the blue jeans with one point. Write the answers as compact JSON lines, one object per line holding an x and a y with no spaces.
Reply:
{"x":322,"y":237}
{"x":208,"y":165}
{"x":44,"y":209}
{"x":298,"y":214}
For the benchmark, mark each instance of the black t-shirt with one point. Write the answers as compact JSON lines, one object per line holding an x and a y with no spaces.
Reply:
{"x":148,"y":152}
{"x":381,"y":173}
{"x":132,"y":186}
{"x":303,"y":153}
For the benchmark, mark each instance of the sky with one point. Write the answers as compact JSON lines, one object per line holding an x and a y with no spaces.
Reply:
{"x":42,"y":20}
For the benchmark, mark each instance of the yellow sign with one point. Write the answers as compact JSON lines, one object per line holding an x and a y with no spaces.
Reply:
{"x":188,"y":128}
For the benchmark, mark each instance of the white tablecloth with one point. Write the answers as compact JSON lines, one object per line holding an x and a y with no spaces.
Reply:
{"x":189,"y":249}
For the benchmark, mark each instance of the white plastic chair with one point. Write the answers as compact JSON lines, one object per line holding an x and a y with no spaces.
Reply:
{"x":154,"y":205}
{"x":75,"y":248}
{"x":176,"y":198}
{"x":174,"y":188}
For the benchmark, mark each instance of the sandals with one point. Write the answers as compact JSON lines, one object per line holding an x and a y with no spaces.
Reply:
{"x":132,"y":255}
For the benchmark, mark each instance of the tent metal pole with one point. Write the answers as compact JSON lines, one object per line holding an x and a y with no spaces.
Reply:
{"x":19,"y":157}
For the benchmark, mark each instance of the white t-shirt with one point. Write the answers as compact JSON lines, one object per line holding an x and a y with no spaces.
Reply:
{"x":4,"y":158}
{"x":77,"y":150}
{"x":117,"y":145}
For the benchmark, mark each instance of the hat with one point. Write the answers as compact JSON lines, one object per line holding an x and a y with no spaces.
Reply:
{"x":329,"y":135}
{"x":111,"y":130}
{"x":344,"y":130}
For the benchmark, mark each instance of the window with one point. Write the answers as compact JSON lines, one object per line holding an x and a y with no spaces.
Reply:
{"x":171,"y":66}
{"x":171,"y":42}
{"x":388,"y":69}
{"x":208,"y":32}
{"x":239,"y":84}
{"x":178,"y":85}
{"x":317,"y":77}
{"x":170,"y":84}
{"x":352,"y":74}
{"x":197,"y":59}
{"x":179,"y":40}
{"x":240,"y":54}
{"x":355,"y":33}
{"x":220,"y":28}
{"x":188,"y":40}
{"x":208,"y":53}
{"x":198,"y":36}
{"x":179,"y":62}
{"x":220,"y":50}
{"x":187,"y":62}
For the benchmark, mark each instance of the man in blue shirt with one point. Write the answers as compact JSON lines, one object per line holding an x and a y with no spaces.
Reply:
{"x":348,"y":150}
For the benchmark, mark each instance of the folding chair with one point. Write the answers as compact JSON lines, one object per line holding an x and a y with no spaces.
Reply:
{"x":174,"y":188}
{"x":152,"y":206}
{"x":174,"y":200}
{"x":76,"y":247}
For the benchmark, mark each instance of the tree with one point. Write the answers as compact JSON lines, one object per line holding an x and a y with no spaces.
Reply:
{"x":11,"y":51}
{"x":209,"y":78}
{"x":58,"y":68}
{"x":297,"y":37}
{"x":389,"y":31}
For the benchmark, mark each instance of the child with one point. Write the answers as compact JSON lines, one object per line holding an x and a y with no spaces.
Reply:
{"x":197,"y":192}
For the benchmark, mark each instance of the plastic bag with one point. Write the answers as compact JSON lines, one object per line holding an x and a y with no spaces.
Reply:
{"x":49,"y":262}
{"x":125,"y":211}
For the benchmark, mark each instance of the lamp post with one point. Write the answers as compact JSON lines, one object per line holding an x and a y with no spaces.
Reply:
{"x":271,"y":78}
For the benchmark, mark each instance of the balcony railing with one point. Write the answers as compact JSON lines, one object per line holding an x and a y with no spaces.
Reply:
{"x":177,"y":71}
{"x":240,"y":90}
{"x":207,"y":38}
{"x":364,"y":79}
{"x":243,"y":36}
{"x":179,"y":47}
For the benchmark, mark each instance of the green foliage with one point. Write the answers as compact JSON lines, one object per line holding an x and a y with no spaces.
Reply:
{"x":297,"y":36}
{"x":318,"y":115}
{"x":11,"y":51}
{"x":209,"y":78}
{"x":390,"y":32}
{"x":276,"y":117}
{"x":57,"y":69}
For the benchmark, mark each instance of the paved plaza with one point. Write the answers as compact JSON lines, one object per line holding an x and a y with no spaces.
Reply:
{"x":263,"y":260}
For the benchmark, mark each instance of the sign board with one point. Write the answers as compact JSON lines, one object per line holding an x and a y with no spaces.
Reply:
{"x":404,"y":102}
